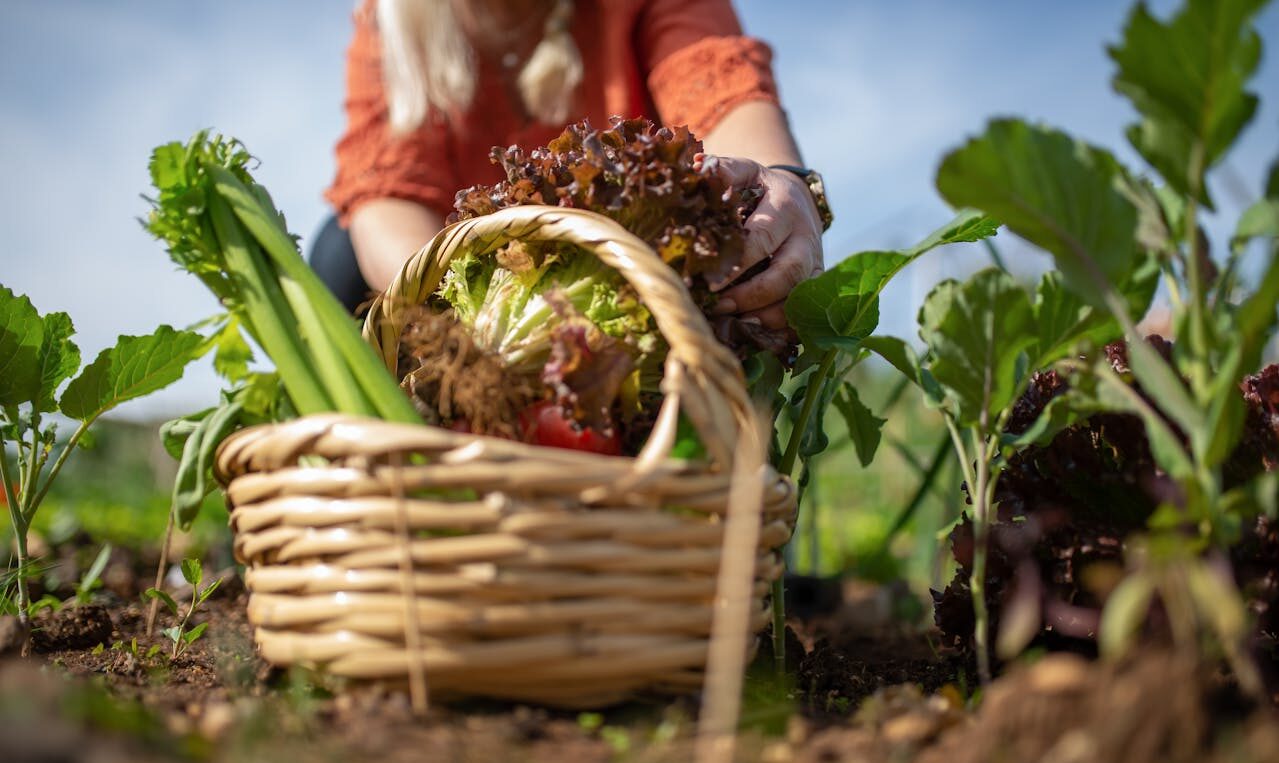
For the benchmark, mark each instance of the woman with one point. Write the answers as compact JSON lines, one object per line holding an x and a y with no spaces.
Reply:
{"x":432,"y":85}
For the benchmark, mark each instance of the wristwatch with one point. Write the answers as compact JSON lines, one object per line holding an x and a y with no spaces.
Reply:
{"x":813,"y":179}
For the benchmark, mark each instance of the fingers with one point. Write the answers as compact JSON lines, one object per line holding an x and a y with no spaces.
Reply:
{"x":766,"y":229}
{"x":738,"y":172}
{"x":771,"y":316}
{"x":797,"y":259}
{"x":780,"y":213}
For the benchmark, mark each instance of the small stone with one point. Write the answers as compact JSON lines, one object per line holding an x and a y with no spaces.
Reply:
{"x":216,"y":719}
{"x":797,"y":730}
{"x":178,"y":724}
{"x":13,"y":635}
{"x":1059,"y":674}
{"x":909,"y":728}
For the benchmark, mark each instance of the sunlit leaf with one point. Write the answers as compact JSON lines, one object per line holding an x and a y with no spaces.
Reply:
{"x":59,"y":358}
{"x":135,"y":366}
{"x":840,"y":307}
{"x":1058,"y":193}
{"x":192,"y":571}
{"x":166,"y":599}
{"x":975,"y":332}
{"x":194,"y":634}
{"x":1187,"y":78}
{"x":21,"y":338}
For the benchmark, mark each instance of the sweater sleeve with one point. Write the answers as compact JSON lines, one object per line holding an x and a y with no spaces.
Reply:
{"x":698,"y":63}
{"x":374,"y":163}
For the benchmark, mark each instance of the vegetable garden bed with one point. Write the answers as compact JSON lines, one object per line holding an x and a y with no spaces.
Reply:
{"x":1112,"y":577}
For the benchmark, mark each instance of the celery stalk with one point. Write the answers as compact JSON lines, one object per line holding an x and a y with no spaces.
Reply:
{"x":327,"y":317}
{"x":268,"y":312}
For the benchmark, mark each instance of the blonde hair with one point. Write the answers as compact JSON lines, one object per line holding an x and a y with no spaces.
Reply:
{"x":428,"y":64}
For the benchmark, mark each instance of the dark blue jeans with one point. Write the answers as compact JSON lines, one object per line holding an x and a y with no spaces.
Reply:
{"x":333,"y":259}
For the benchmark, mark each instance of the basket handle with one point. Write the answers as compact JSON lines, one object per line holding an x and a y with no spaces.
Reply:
{"x":702,"y":377}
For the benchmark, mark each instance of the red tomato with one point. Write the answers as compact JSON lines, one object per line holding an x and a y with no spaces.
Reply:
{"x":545,"y":424}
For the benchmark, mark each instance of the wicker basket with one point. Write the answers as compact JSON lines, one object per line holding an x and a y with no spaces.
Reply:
{"x":552,"y":576}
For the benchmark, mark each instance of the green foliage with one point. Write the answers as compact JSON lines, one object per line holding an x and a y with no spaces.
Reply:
{"x":1187,"y":78}
{"x":1125,"y":613}
{"x":194,"y":439}
{"x":1112,"y":237}
{"x":976,"y":334}
{"x":980,"y":336}
{"x":92,"y":578}
{"x":59,"y":359}
{"x":231,"y":352}
{"x":1056,"y":192}
{"x":38,"y":357}
{"x":182,"y":636}
{"x":223,"y":228}
{"x":131,"y":648}
{"x":136,"y":366}
{"x":21,"y":342}
{"x":834,"y":314}
{"x":840,"y":308}
{"x":864,"y":427}
{"x":1063,"y":320}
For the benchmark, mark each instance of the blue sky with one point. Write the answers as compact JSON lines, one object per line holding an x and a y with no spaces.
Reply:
{"x":876,"y":91}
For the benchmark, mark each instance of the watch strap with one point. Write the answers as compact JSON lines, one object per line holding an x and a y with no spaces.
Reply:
{"x":816,"y":187}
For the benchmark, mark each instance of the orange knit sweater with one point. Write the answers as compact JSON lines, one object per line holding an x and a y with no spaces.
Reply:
{"x":675,"y":61}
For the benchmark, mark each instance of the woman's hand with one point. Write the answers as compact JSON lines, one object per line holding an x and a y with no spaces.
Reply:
{"x":785,"y":229}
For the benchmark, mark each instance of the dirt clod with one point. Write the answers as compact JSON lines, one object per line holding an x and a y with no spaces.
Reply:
{"x":77,"y":627}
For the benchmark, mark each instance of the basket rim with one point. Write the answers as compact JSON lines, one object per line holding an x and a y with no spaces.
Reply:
{"x":702,"y":377}
{"x":242,"y":452}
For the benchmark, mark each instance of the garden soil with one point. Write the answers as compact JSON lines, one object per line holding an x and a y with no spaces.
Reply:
{"x":866,"y":688}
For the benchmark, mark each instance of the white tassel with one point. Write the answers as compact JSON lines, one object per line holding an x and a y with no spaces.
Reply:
{"x":554,"y":70}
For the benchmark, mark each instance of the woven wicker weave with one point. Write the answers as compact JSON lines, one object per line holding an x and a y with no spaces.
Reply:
{"x":492,"y":567}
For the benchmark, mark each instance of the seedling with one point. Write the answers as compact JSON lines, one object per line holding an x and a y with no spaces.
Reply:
{"x":92,"y":576}
{"x":37,"y":356}
{"x":131,"y":648}
{"x":182,"y":638}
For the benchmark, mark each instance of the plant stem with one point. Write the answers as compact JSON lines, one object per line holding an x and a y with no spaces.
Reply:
{"x":1174,"y":291}
{"x":811,"y":395}
{"x":811,"y":530}
{"x":19,"y":534}
{"x":815,"y":383}
{"x":977,"y":581}
{"x":33,"y":504}
{"x":179,"y":642}
{"x":159,"y":574}
{"x":779,"y":624}
{"x":965,"y":463}
{"x":1200,"y":380}
{"x":27,"y":481}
